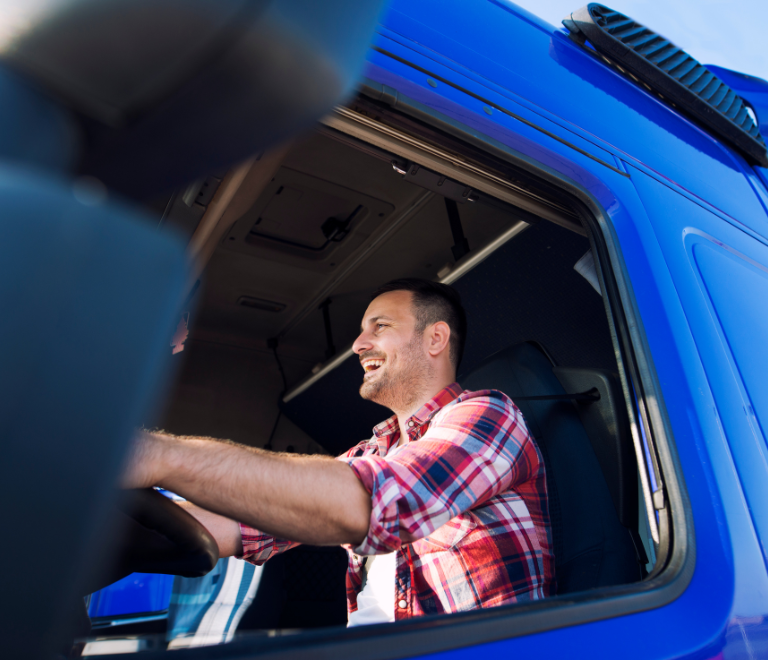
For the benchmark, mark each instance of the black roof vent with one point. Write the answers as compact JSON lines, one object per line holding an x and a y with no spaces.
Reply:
{"x":672,"y":73}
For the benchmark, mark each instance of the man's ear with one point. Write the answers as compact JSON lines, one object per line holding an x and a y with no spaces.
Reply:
{"x":438,"y":338}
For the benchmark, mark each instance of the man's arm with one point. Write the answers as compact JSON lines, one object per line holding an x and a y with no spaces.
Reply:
{"x":308,"y":499}
{"x":225,"y":530}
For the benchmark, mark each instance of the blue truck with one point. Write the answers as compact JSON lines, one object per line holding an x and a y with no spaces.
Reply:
{"x":597,"y":196}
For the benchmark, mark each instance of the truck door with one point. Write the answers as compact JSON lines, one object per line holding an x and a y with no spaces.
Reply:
{"x":720,"y":271}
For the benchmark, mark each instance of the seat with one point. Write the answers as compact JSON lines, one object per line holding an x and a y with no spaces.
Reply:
{"x":592,"y":547}
{"x":301,"y":588}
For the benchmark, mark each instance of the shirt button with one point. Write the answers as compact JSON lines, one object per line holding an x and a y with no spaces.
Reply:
{"x":401,"y":604}
{"x":410,"y":423}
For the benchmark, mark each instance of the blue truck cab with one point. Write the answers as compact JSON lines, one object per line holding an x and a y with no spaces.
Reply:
{"x":600,"y":201}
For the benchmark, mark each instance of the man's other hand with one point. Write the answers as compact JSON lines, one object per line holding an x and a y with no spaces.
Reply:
{"x":225,"y":530}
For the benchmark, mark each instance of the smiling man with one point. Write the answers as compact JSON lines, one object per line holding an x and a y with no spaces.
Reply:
{"x":444,"y":509}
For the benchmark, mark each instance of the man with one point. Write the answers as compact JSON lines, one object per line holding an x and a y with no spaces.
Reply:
{"x":444,"y":509}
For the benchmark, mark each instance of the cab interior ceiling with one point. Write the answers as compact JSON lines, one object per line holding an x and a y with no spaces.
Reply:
{"x":323,"y":224}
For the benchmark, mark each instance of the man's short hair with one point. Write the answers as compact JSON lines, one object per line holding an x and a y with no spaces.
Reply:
{"x":434,"y":302}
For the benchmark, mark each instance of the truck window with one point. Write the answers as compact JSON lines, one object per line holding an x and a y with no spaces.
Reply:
{"x":286,"y":272}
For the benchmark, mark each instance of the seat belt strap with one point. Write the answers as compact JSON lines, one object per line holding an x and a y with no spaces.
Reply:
{"x":590,"y":395}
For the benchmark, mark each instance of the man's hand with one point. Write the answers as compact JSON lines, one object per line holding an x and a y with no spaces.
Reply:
{"x":224,"y":530}
{"x":145,"y":469}
{"x":308,"y":499}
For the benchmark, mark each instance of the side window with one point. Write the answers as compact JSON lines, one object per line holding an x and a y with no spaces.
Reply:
{"x":541,"y":329}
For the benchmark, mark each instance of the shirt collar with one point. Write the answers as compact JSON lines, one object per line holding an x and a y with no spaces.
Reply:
{"x":387,"y":432}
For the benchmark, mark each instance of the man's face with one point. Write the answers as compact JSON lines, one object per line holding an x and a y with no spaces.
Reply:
{"x":392,"y":353}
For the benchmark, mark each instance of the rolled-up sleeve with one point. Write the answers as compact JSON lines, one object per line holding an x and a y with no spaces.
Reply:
{"x":258,"y":547}
{"x":471,"y":451}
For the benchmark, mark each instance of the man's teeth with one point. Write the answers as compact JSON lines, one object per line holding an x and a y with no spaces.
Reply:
{"x":370,"y":365}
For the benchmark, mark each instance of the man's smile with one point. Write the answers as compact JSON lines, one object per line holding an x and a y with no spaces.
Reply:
{"x":371,"y":364}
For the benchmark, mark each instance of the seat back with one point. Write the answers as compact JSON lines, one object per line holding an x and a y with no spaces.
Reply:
{"x":607,"y":426}
{"x":592,"y":548}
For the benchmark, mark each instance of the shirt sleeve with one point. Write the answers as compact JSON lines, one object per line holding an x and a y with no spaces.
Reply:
{"x":258,"y":547}
{"x":472,"y":451}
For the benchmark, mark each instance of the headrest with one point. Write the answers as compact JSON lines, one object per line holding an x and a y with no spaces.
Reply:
{"x":525,"y":372}
{"x":518,"y":370}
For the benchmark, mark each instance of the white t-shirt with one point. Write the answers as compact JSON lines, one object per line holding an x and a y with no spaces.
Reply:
{"x":376,"y":601}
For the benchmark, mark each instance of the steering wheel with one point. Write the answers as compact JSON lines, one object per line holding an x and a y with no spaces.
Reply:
{"x":158,"y":537}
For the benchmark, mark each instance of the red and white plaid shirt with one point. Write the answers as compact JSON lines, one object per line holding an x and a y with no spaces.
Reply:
{"x":469,"y":484}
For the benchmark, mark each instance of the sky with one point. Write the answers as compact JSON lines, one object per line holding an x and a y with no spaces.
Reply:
{"x":732,"y":34}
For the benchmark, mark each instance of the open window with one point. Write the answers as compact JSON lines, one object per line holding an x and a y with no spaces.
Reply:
{"x":288,"y":248}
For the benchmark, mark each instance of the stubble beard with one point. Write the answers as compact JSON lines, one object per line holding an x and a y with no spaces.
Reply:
{"x":405,"y":380}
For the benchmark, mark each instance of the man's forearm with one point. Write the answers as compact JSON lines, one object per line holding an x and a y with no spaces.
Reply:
{"x":309,"y":499}
{"x":225,"y":530}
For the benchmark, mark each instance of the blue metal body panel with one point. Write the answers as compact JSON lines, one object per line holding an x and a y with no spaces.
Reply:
{"x":684,"y":210}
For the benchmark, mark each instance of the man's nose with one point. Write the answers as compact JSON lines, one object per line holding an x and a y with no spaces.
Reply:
{"x":362,"y":343}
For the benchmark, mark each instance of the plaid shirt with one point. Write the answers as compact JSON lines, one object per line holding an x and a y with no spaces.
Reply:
{"x":470,"y":486}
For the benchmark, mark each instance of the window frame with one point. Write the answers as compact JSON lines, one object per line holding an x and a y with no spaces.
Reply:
{"x":675,"y":560}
